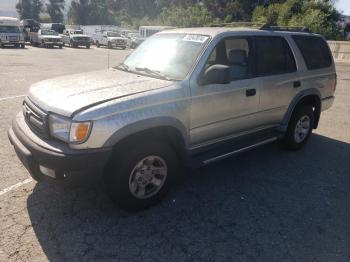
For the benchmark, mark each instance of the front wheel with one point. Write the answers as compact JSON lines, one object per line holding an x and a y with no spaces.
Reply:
{"x":97,"y":44}
{"x":299,"y":128}
{"x":88,"y":46}
{"x":139,"y":176}
{"x":109,"y":45}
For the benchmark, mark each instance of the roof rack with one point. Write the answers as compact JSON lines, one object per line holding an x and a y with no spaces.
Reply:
{"x":285,"y":28}
{"x":239,"y":24}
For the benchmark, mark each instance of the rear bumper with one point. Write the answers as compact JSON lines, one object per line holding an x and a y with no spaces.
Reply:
{"x":327,"y":103}
{"x":66,"y":164}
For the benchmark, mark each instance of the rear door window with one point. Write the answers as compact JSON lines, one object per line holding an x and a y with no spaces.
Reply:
{"x":315,"y":51}
{"x":273,"y":56}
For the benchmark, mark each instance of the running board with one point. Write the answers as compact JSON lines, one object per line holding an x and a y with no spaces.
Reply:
{"x":214,"y":159}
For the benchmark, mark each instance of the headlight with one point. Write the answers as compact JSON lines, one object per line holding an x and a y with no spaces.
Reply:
{"x":60,"y":127}
{"x":64,"y":129}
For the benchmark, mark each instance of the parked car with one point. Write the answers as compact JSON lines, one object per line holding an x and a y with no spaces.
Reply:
{"x":111,"y":40}
{"x":75,"y":38}
{"x":10,"y":32}
{"x":46,"y":38}
{"x":135,"y":40}
{"x":185,"y":97}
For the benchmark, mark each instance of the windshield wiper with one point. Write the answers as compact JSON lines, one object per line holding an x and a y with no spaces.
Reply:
{"x":123,"y":67}
{"x":153,"y":72}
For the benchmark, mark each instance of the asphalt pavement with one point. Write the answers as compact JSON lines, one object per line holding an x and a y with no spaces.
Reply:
{"x":263,"y":205}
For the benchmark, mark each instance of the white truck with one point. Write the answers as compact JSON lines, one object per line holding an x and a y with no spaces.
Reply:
{"x":46,"y":38}
{"x":10,"y":32}
{"x":110,"y":39}
{"x":75,"y":38}
{"x":147,"y":31}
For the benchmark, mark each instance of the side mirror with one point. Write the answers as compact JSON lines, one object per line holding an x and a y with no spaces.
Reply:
{"x":215,"y":74}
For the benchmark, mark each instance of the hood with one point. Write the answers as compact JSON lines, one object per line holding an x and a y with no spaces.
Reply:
{"x":79,"y":35}
{"x":116,"y":38}
{"x":68,"y":94}
{"x":51,"y":36}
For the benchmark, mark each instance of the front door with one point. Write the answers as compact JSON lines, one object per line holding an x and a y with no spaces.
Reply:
{"x":222,"y":110}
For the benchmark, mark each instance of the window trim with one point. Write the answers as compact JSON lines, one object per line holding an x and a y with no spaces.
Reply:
{"x":257,"y":74}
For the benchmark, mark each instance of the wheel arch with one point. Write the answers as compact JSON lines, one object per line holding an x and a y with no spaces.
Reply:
{"x":307,"y":97}
{"x":169,"y":129}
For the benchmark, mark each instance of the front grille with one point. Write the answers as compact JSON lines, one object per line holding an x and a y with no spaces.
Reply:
{"x":36,"y":119}
{"x":81,"y":39}
{"x":13,"y":38}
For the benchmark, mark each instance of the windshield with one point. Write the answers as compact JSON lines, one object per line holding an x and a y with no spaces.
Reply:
{"x":9,"y":29}
{"x":48,"y":32}
{"x":171,"y":55}
{"x":112,"y":34}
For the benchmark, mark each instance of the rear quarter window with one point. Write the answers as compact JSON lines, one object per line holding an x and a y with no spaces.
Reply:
{"x":315,"y":51}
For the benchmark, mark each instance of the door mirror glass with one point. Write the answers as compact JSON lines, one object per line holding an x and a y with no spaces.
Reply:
{"x":215,"y":74}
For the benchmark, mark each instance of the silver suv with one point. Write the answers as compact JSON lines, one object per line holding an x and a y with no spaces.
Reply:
{"x":185,"y":97}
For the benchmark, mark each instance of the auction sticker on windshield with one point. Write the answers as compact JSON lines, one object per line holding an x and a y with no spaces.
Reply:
{"x":196,"y":38}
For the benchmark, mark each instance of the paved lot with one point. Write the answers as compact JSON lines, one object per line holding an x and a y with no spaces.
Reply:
{"x":264,"y":205}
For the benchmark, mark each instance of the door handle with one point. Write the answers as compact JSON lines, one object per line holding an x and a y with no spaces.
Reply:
{"x":296,"y":84}
{"x":250,"y":92}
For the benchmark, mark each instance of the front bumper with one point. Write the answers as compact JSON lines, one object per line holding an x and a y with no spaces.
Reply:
{"x":54,"y":43}
{"x":327,"y":103}
{"x":61,"y":163}
{"x":6,"y":42}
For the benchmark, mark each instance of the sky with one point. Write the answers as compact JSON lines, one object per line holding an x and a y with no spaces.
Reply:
{"x":9,"y":5}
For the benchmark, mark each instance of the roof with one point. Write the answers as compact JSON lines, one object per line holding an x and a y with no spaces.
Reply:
{"x":214,"y":31}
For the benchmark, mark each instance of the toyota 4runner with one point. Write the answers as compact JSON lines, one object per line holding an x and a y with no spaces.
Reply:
{"x":183,"y":97}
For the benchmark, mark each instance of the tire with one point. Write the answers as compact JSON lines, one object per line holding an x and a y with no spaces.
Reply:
{"x":109,"y":45}
{"x":16,"y":45}
{"x":60,"y":46}
{"x":97,"y":44}
{"x":299,"y":128}
{"x":121,"y":174}
{"x":88,"y":46}
{"x":23,"y":46}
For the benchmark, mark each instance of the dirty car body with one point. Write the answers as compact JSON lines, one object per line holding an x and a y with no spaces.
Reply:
{"x":205,"y":108}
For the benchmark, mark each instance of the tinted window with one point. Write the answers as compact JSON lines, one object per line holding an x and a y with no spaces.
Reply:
{"x":274,"y":56}
{"x":314,"y":50}
{"x":235,"y":53}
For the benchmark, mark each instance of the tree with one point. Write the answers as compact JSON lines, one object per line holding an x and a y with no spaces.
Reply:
{"x":29,"y":9}
{"x":55,"y":9}
{"x":320,"y":16}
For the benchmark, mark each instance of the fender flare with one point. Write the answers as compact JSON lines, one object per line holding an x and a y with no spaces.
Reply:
{"x":295,"y":102}
{"x":145,"y":125}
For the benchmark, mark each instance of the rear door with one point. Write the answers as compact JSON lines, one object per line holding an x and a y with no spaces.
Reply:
{"x":278,"y":78}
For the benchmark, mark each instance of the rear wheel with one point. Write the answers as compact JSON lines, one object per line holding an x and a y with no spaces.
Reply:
{"x":141,"y":175}
{"x":299,"y":128}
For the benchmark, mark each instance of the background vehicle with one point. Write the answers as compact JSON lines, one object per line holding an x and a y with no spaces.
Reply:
{"x":184,"y":97}
{"x":135,"y":40}
{"x":46,"y":38}
{"x":10,"y":32}
{"x":29,"y":25}
{"x":110,"y":39}
{"x":75,"y":38}
{"x":147,"y":31}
